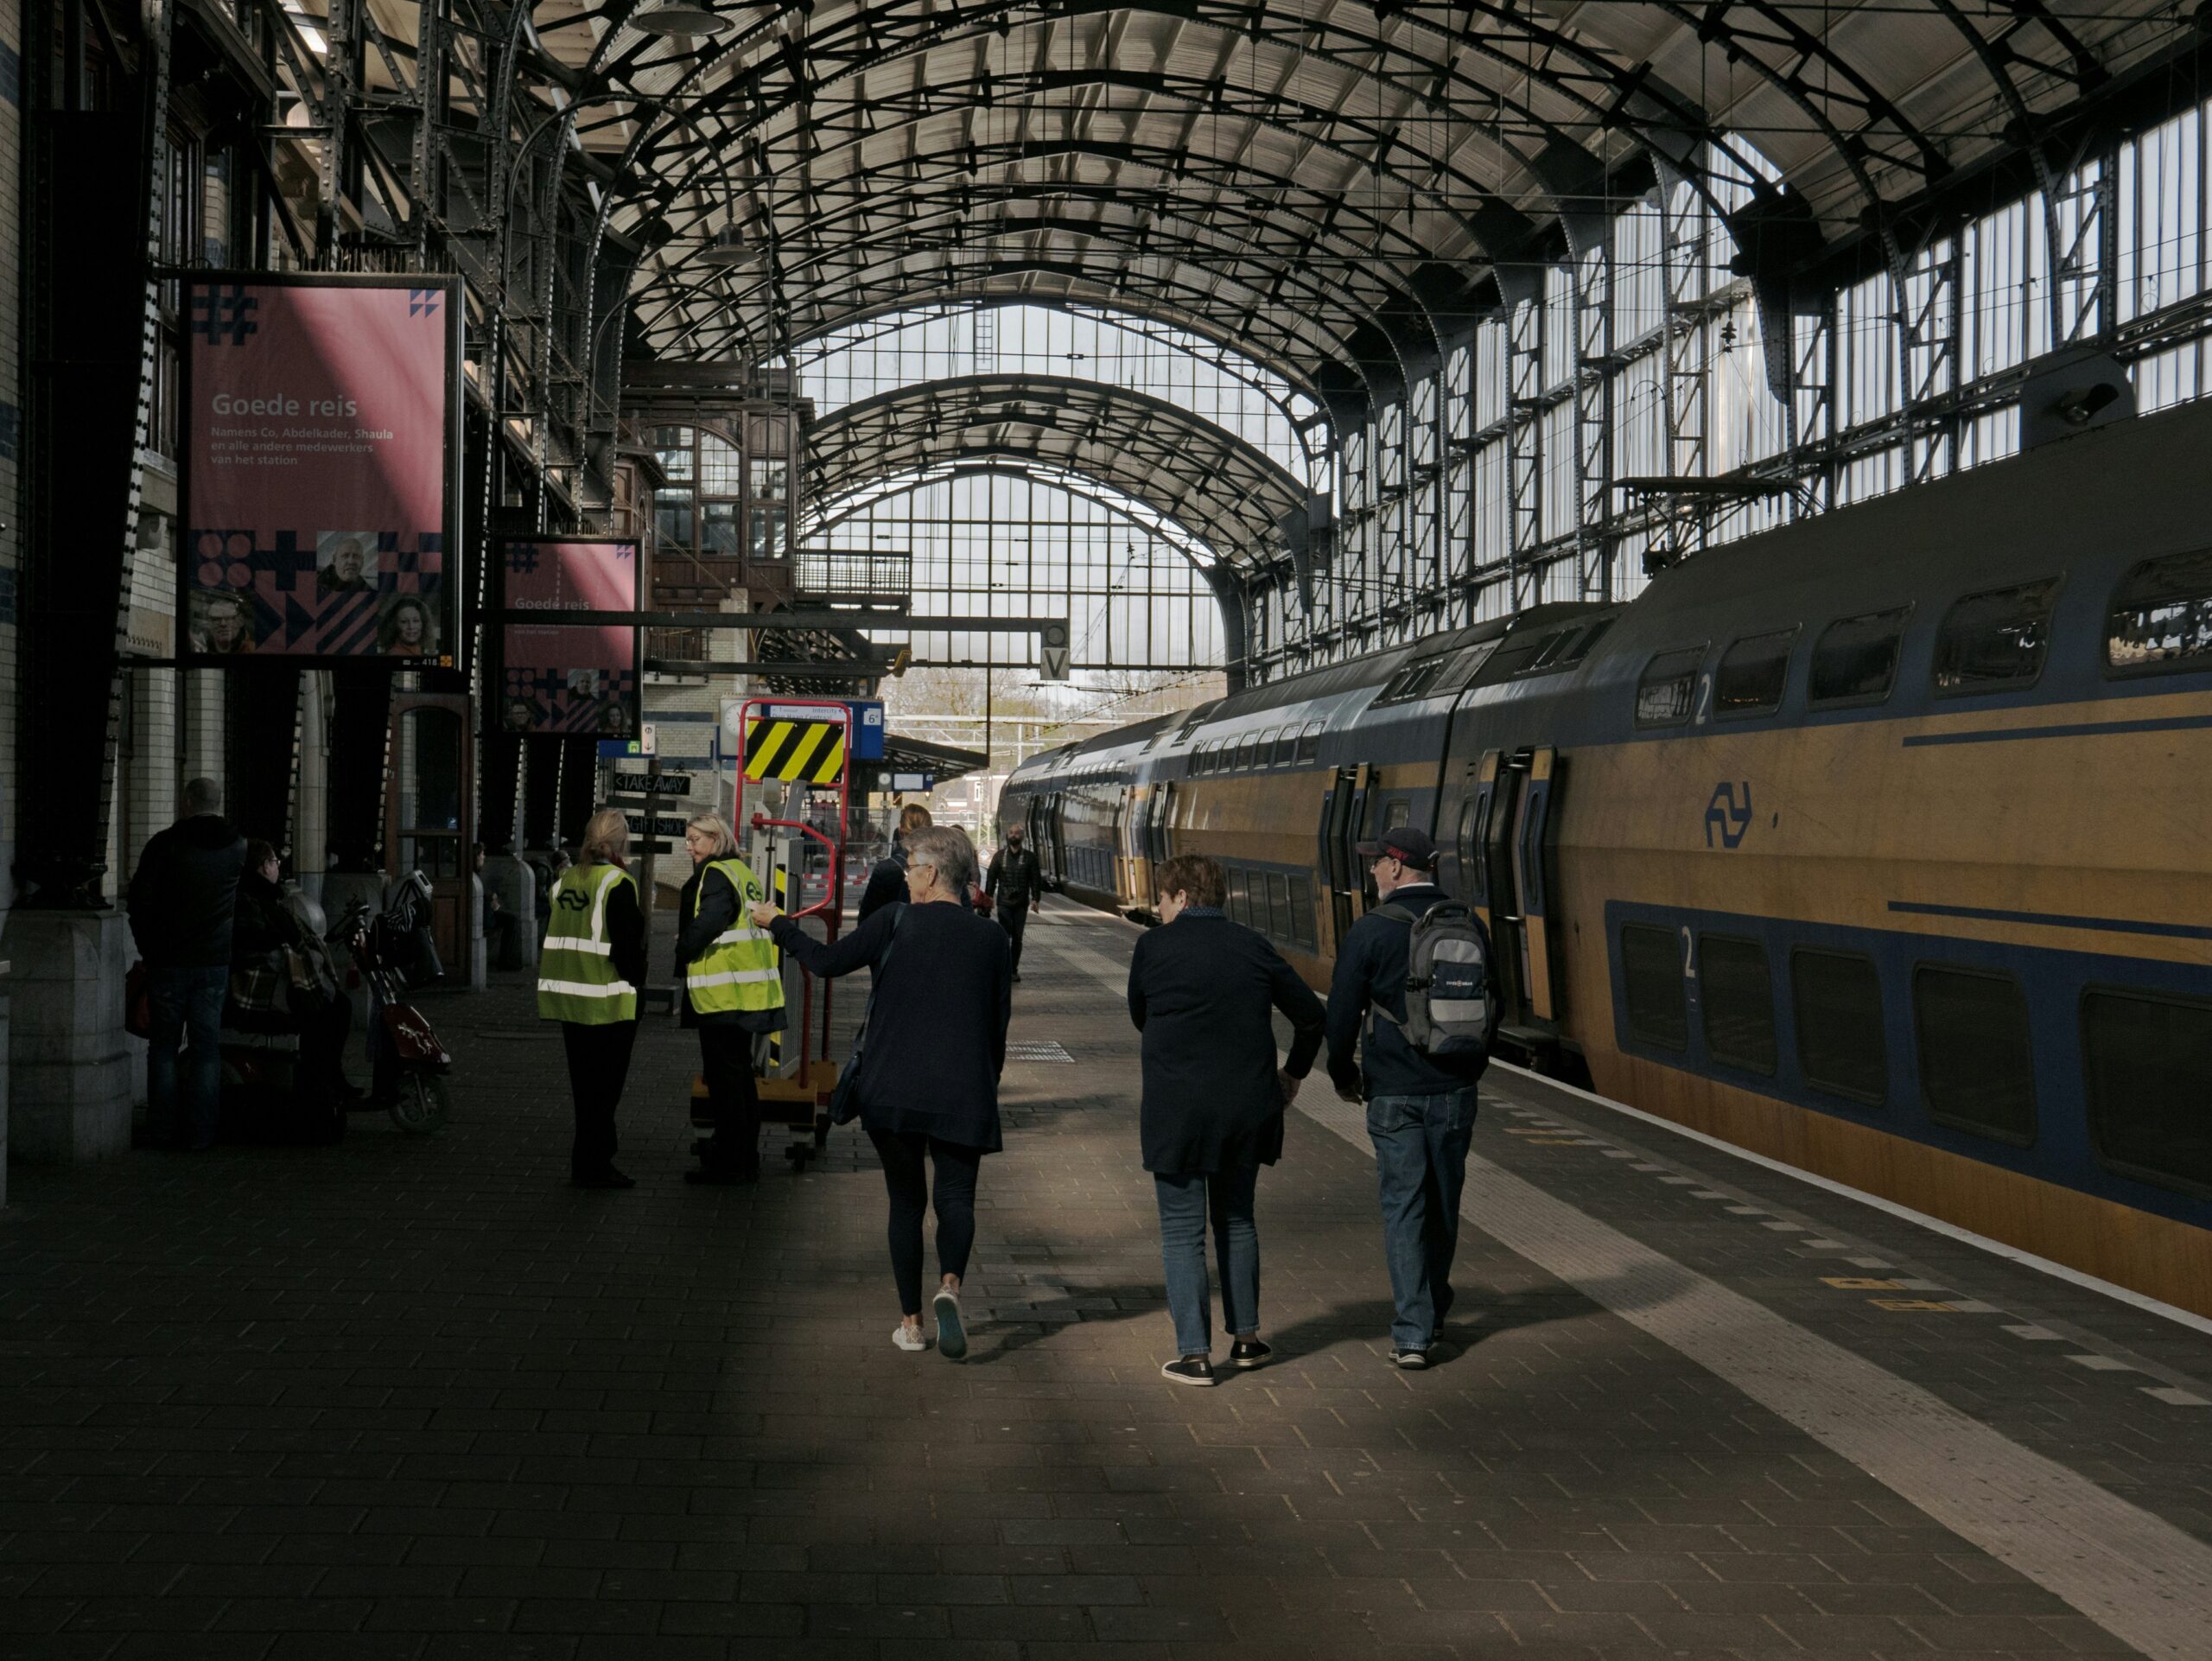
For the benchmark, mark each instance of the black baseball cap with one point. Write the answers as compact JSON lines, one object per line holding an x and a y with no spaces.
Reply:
{"x":1416,"y":848}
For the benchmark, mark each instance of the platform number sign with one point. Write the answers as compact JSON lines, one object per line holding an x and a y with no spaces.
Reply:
{"x":1052,"y":652}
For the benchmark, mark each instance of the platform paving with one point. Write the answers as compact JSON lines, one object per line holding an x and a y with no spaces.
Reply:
{"x":418,"y":1398}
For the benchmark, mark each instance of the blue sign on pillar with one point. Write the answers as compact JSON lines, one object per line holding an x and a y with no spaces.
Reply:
{"x":868,"y":729}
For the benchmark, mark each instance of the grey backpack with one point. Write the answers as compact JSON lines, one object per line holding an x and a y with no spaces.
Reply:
{"x":1451,"y":1001}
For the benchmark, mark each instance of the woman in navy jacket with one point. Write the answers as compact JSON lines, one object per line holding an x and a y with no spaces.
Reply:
{"x":1203,"y":990}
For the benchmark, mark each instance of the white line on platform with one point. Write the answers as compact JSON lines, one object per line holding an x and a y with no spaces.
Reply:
{"x":1950,"y":1231}
{"x":2138,"y":1577}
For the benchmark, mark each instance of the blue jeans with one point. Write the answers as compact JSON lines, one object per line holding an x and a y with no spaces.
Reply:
{"x":1421,"y":1165}
{"x":183,"y":1102}
{"x":1184,"y":1202}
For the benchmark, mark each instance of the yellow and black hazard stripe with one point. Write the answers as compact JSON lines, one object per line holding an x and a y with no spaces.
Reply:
{"x":811,"y":752}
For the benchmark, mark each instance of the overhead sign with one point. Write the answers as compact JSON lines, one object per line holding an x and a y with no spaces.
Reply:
{"x":568,"y":678}
{"x":868,"y":729}
{"x":807,"y":752}
{"x":905,"y":781}
{"x":319,"y":494}
{"x":1052,"y":652}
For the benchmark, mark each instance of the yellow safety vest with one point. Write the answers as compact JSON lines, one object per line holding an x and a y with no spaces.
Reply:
{"x":739,"y":969}
{"x":576,"y":968}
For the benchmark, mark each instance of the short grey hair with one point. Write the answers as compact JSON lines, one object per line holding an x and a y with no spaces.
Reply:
{"x":202,"y":796}
{"x":945,"y":849}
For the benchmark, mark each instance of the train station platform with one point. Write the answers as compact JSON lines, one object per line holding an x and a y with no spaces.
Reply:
{"x":419,"y":1400}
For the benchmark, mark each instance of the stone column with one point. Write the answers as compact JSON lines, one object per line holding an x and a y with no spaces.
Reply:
{"x":68,"y":1068}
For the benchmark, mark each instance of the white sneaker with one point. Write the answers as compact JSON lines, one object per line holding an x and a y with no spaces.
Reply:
{"x":908,"y":1339}
{"x":951,"y":1337}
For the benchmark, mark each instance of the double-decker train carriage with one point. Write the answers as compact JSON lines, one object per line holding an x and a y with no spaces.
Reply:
{"x":1880,"y":845}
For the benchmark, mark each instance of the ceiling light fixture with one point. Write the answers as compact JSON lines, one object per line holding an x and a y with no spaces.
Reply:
{"x":727,"y":247}
{"x":675,"y":18}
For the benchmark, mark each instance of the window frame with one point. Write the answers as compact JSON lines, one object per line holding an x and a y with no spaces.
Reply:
{"x":2152,"y":668}
{"x":1990,"y":689}
{"x":1842,"y":1092}
{"x":1951,"y":1121}
{"x":2126,"y":1168}
{"x":1313,"y":730}
{"x":1860,"y":700}
{"x":1756,"y":712}
{"x":1673,"y":938}
{"x":1688,"y":717}
{"x":1713,"y":1057}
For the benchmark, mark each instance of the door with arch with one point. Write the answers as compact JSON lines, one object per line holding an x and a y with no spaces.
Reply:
{"x":430,"y":811}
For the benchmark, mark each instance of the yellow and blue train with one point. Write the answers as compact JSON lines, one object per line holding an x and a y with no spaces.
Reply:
{"x":1880,"y":845}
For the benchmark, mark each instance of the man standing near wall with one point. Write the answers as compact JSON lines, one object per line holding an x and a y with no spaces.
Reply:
{"x":1014,"y":881}
{"x":183,"y":902}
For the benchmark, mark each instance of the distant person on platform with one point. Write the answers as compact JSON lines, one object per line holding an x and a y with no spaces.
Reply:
{"x":345,"y":574}
{"x":932,"y":1045}
{"x":886,"y":884}
{"x":1420,"y":1112}
{"x":183,"y":904}
{"x":1205,"y":990}
{"x":588,"y":974}
{"x":733,"y":988}
{"x":1015,"y":882}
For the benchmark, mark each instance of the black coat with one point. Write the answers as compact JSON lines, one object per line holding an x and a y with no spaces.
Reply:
{"x":935,"y":1041}
{"x":886,"y":885}
{"x":1014,"y":877}
{"x":1201,"y":989}
{"x":718,"y":910}
{"x":1371,"y":970}
{"x":184,"y":895}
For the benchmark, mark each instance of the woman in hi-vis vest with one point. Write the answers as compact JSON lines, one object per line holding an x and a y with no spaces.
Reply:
{"x":733,"y":988}
{"x":589,"y":973}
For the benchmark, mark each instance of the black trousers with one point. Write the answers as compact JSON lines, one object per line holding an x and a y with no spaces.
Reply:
{"x":1013,"y":919}
{"x":908,"y":1180}
{"x":598,"y":1065}
{"x":726,"y":1059}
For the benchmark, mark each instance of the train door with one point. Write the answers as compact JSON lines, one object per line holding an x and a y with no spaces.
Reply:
{"x":1343,"y":812}
{"x":1513,"y":801}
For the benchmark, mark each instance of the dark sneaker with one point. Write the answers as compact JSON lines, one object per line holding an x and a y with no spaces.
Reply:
{"x":1190,"y":1369}
{"x":951,"y":1337}
{"x":608,"y":1178}
{"x":1410,"y":1360}
{"x":1249,"y":1352}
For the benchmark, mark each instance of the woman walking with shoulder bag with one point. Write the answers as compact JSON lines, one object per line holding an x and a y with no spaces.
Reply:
{"x":933,"y":1046}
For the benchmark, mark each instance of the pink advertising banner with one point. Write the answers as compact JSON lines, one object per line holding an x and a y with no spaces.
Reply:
{"x":319,"y":491}
{"x":569,"y":678}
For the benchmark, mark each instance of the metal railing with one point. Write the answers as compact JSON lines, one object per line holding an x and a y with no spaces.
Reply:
{"x":856,"y":573}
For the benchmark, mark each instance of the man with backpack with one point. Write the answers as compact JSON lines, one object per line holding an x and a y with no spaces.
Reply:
{"x":1414,"y":974}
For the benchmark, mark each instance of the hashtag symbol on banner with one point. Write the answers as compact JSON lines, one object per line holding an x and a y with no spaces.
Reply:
{"x":225,"y":311}
{"x":522,"y":558}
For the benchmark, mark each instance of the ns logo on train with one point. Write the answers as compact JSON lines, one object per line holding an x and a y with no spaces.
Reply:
{"x":1729,"y":812}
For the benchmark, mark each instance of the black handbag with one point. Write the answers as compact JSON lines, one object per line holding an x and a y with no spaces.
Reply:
{"x":845,"y":1100}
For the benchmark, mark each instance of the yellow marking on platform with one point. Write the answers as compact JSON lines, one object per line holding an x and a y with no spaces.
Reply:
{"x":1913,"y":1306}
{"x":1860,"y":1283}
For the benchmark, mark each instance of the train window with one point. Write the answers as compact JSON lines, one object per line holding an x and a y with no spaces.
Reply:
{"x":1268,"y":742}
{"x":1257,"y":881}
{"x":1309,"y":743}
{"x":1240,"y":894}
{"x":1301,"y":911}
{"x":2161,"y":617}
{"x":1279,"y":902}
{"x":1837,"y":996}
{"x":1468,"y":665}
{"x":1651,"y":970}
{"x":1977,"y":1071}
{"x":1855,"y":660}
{"x":1993,"y":640}
{"x":1286,"y":746}
{"x":1750,"y":679}
{"x":1397,"y":812}
{"x":1739,"y":1002}
{"x":1466,"y":849}
{"x":2145,"y":1058}
{"x":1669,"y":682}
